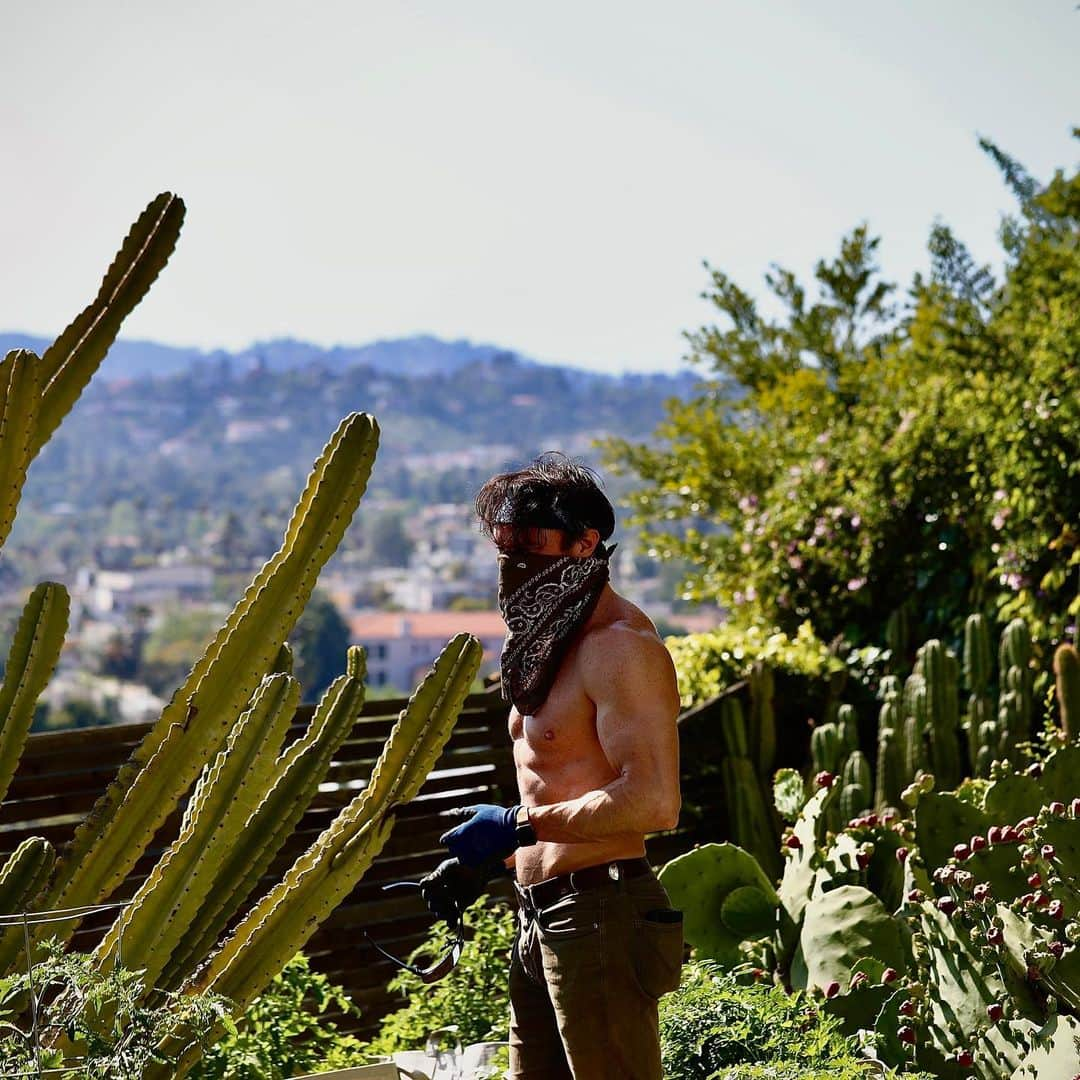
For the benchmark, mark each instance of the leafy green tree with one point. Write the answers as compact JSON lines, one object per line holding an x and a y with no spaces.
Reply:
{"x":855,"y":454}
{"x":319,"y":643}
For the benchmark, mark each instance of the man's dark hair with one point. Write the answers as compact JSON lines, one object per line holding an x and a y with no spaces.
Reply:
{"x":551,"y":493}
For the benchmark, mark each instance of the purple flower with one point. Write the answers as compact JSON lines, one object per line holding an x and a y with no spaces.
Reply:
{"x":795,"y":562}
{"x":856,"y":521}
{"x":856,"y":583}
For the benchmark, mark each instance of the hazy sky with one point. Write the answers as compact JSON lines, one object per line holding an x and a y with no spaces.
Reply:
{"x":548,"y":177}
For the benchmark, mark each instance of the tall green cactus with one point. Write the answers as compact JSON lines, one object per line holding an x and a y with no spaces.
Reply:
{"x":193,"y":724}
{"x":34,"y":651}
{"x":891,"y":775}
{"x":749,"y":812}
{"x":25,"y":872}
{"x":295,"y":782}
{"x":72,"y":359}
{"x":286,"y":917}
{"x":1016,"y":700}
{"x":19,"y":397}
{"x":227,"y":792}
{"x":940,"y":673}
{"x":980,"y":726}
{"x":1067,"y":677}
{"x":762,"y":719}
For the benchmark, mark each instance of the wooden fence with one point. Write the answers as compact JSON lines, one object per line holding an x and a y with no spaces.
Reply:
{"x":61,"y":774}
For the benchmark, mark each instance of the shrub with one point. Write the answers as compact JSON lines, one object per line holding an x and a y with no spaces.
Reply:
{"x":474,"y":997}
{"x":284,"y":1031}
{"x":101,"y":1014}
{"x":708,"y":663}
{"x":714,"y":1026}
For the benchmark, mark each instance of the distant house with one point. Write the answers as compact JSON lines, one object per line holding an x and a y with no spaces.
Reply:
{"x":119,"y":591}
{"x":401,"y":646}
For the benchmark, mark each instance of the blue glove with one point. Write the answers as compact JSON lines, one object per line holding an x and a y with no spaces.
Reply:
{"x":490,"y":833}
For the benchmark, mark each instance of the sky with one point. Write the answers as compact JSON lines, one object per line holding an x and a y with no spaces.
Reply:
{"x":546,"y":177}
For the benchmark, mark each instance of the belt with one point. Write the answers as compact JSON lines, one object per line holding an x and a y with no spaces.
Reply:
{"x":544,"y":893}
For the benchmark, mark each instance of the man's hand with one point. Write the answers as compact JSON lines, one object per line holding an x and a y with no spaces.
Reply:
{"x":490,"y":833}
{"x":452,"y":887}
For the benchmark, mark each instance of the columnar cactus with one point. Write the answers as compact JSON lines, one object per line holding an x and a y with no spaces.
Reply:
{"x":750,"y":815}
{"x":32,"y":657}
{"x":1067,"y":677}
{"x":762,"y":726}
{"x":979,"y":725}
{"x":286,"y":917}
{"x":200,"y":714}
{"x":940,"y":672}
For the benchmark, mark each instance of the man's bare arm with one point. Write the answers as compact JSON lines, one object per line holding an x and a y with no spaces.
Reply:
{"x":631,"y":680}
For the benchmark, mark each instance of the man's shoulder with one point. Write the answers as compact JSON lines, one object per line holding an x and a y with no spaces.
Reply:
{"x":633,"y":636}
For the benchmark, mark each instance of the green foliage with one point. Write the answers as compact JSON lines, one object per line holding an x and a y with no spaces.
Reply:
{"x":714,"y":1023}
{"x":320,"y":639}
{"x":475,"y":996}
{"x":284,"y":1031}
{"x":101,"y":1013}
{"x":708,"y":663}
{"x":849,"y":456}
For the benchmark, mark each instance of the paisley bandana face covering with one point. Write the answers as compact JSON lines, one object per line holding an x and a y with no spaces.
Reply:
{"x":544,"y":600}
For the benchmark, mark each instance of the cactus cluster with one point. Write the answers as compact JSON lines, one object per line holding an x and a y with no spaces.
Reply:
{"x":224,"y":728}
{"x":942,"y":924}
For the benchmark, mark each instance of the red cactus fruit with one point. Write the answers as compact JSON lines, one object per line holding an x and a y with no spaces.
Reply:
{"x":946,"y":905}
{"x":995,"y":1011}
{"x":1057,"y":949}
{"x":1056,"y":910}
{"x":978,"y":843}
{"x":1057,"y":808}
{"x":907,"y":1007}
{"x":1035,"y":880}
{"x":890,"y":975}
{"x":901,"y":854}
{"x":916,"y":896}
{"x":1075,"y":807}
{"x":906,"y":1034}
{"x":824,"y":779}
{"x":857,"y":980}
{"x":993,"y":834}
{"x":964,"y":1059}
{"x":961,"y":852}
{"x":832,"y":989}
{"x":793,"y":842}
{"x":995,"y":935}
{"x":1047,"y":852}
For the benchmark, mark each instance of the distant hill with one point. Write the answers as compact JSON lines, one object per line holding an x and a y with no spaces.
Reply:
{"x":419,"y":355}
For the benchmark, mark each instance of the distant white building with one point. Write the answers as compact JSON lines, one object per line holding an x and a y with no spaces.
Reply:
{"x":108,"y":592}
{"x":402,"y":646}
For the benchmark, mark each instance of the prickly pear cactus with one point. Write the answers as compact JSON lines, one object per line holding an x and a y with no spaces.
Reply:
{"x":725,"y":898}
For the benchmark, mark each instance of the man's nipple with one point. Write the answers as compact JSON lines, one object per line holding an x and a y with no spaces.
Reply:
{"x":549,"y":734}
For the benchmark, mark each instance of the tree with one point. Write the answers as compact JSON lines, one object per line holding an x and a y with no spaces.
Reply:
{"x":319,"y":642}
{"x":852,"y":455}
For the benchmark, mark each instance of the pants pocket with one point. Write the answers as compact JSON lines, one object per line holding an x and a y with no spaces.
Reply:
{"x":572,"y":917}
{"x":658,"y":950}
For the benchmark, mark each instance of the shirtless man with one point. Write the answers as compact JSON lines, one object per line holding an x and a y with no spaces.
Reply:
{"x":594,"y":701}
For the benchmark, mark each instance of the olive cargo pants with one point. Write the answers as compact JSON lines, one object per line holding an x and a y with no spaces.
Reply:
{"x":586,"y":974}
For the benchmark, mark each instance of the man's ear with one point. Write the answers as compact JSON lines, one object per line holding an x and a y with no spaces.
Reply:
{"x":587,"y":544}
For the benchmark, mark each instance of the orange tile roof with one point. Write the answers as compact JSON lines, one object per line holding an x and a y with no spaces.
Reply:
{"x":425,"y":624}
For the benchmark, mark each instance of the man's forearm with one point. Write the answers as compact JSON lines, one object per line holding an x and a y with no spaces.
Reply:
{"x":618,"y":809}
